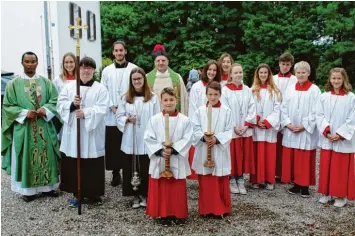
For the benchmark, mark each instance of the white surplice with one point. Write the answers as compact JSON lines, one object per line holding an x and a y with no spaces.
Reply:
{"x":197,"y":97}
{"x":180,"y":133}
{"x":59,"y":83}
{"x":242,"y":105}
{"x":143,"y":111}
{"x":299,"y":108}
{"x":283,"y":82}
{"x":116,"y":81}
{"x":95,"y":100}
{"x":337,"y":112}
{"x":163,"y":80}
{"x":268,"y":108}
{"x":222,"y":126}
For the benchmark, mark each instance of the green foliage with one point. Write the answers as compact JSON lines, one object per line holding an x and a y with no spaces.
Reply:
{"x":321,"y":33}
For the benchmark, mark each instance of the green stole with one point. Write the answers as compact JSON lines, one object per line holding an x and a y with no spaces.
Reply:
{"x":36,"y":142}
{"x":151,"y":76}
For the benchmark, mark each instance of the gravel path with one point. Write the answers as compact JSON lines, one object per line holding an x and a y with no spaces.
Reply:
{"x":261,"y":212}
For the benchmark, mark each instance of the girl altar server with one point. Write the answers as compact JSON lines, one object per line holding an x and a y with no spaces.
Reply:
{"x":300,"y":138}
{"x":239,"y":98}
{"x":213,"y":129}
{"x":69,"y":67}
{"x":224,"y":63}
{"x":336,"y":123}
{"x":198,"y":97}
{"x":168,"y":152}
{"x":137,"y":106}
{"x":267,"y":98}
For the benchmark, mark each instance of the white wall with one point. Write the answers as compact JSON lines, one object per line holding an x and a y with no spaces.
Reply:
{"x":67,"y":44}
{"x":22,"y":30}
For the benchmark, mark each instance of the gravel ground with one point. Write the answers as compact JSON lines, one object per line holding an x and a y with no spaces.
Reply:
{"x":261,"y":212}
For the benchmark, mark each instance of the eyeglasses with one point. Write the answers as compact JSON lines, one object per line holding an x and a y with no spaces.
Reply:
{"x":86,"y":68}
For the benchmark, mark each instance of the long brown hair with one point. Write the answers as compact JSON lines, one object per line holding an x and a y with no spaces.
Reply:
{"x":346,"y":86}
{"x":271,"y":86}
{"x":131,"y":93}
{"x":220,"y":60}
{"x":65,"y":73}
{"x":204,"y":77}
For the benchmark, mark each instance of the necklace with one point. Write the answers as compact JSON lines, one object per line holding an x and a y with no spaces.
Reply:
{"x":330,"y":105}
{"x":138,"y":115}
{"x":262,"y":105}
{"x":120,"y":78}
{"x":240,"y":104}
{"x":83,"y":97}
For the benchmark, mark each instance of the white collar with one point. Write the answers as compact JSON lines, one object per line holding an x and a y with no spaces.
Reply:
{"x":24,"y":76}
{"x":166,"y":73}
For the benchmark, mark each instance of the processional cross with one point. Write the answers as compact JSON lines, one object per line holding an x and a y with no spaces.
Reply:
{"x":77,"y":29}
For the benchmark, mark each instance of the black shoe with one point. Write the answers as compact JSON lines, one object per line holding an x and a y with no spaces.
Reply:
{"x":294,"y":190}
{"x":29,"y":198}
{"x":180,"y":221}
{"x":50,"y":194}
{"x":165,"y":222}
{"x":97,"y":201}
{"x":116,"y":179}
{"x":305,"y":192}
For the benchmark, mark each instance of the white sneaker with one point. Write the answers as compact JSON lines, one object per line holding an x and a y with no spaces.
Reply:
{"x":255,"y":186}
{"x":242,"y":189}
{"x":135,"y":203}
{"x":325,"y":199}
{"x":340,"y":202}
{"x":143,"y":201}
{"x":233,"y":186}
{"x":270,"y":186}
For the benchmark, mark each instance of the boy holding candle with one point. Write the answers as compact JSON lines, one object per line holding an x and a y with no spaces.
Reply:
{"x":213,"y":127}
{"x":167,"y":138}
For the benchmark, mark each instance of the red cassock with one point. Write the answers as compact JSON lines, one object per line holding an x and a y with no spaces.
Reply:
{"x":214,"y":195}
{"x":336,"y":174}
{"x":191,"y":158}
{"x":167,"y":197}
{"x":298,"y":166}
{"x":242,"y":156}
{"x":265,"y":162}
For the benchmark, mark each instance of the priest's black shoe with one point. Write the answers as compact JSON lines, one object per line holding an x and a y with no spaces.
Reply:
{"x":50,"y":194}
{"x":295,"y":189}
{"x":29,"y":198}
{"x":180,"y":221}
{"x":116,"y":179}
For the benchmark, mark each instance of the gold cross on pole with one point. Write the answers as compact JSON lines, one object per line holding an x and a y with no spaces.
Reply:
{"x":77,"y":29}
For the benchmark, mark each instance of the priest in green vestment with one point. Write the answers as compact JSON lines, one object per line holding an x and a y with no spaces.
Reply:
{"x":163,"y":76}
{"x":29,"y":144}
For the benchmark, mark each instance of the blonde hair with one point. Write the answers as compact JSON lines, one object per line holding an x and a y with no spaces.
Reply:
{"x":346,"y":86}
{"x":304,"y":65}
{"x":271,"y":86}
{"x":230,"y":72}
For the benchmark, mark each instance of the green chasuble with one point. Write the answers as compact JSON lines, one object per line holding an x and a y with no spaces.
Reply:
{"x":151,"y":76}
{"x":36,"y":143}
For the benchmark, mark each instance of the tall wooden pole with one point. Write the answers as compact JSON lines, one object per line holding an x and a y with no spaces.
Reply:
{"x":77,"y":28}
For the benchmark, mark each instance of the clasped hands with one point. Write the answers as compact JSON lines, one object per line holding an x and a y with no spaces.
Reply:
{"x":210,"y":140}
{"x":295,"y":128}
{"x":240,"y":130}
{"x":167,"y":152}
{"x":32,"y":114}
{"x":333,"y":138}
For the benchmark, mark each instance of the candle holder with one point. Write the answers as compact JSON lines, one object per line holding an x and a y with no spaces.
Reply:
{"x":209,"y":162}
{"x":167,"y":172}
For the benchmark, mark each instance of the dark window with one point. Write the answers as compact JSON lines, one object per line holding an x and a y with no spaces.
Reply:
{"x":74,"y":12}
{"x":91,"y":22}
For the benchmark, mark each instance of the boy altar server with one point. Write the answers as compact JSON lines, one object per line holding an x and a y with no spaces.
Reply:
{"x":167,"y":196}
{"x":214,"y":193}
